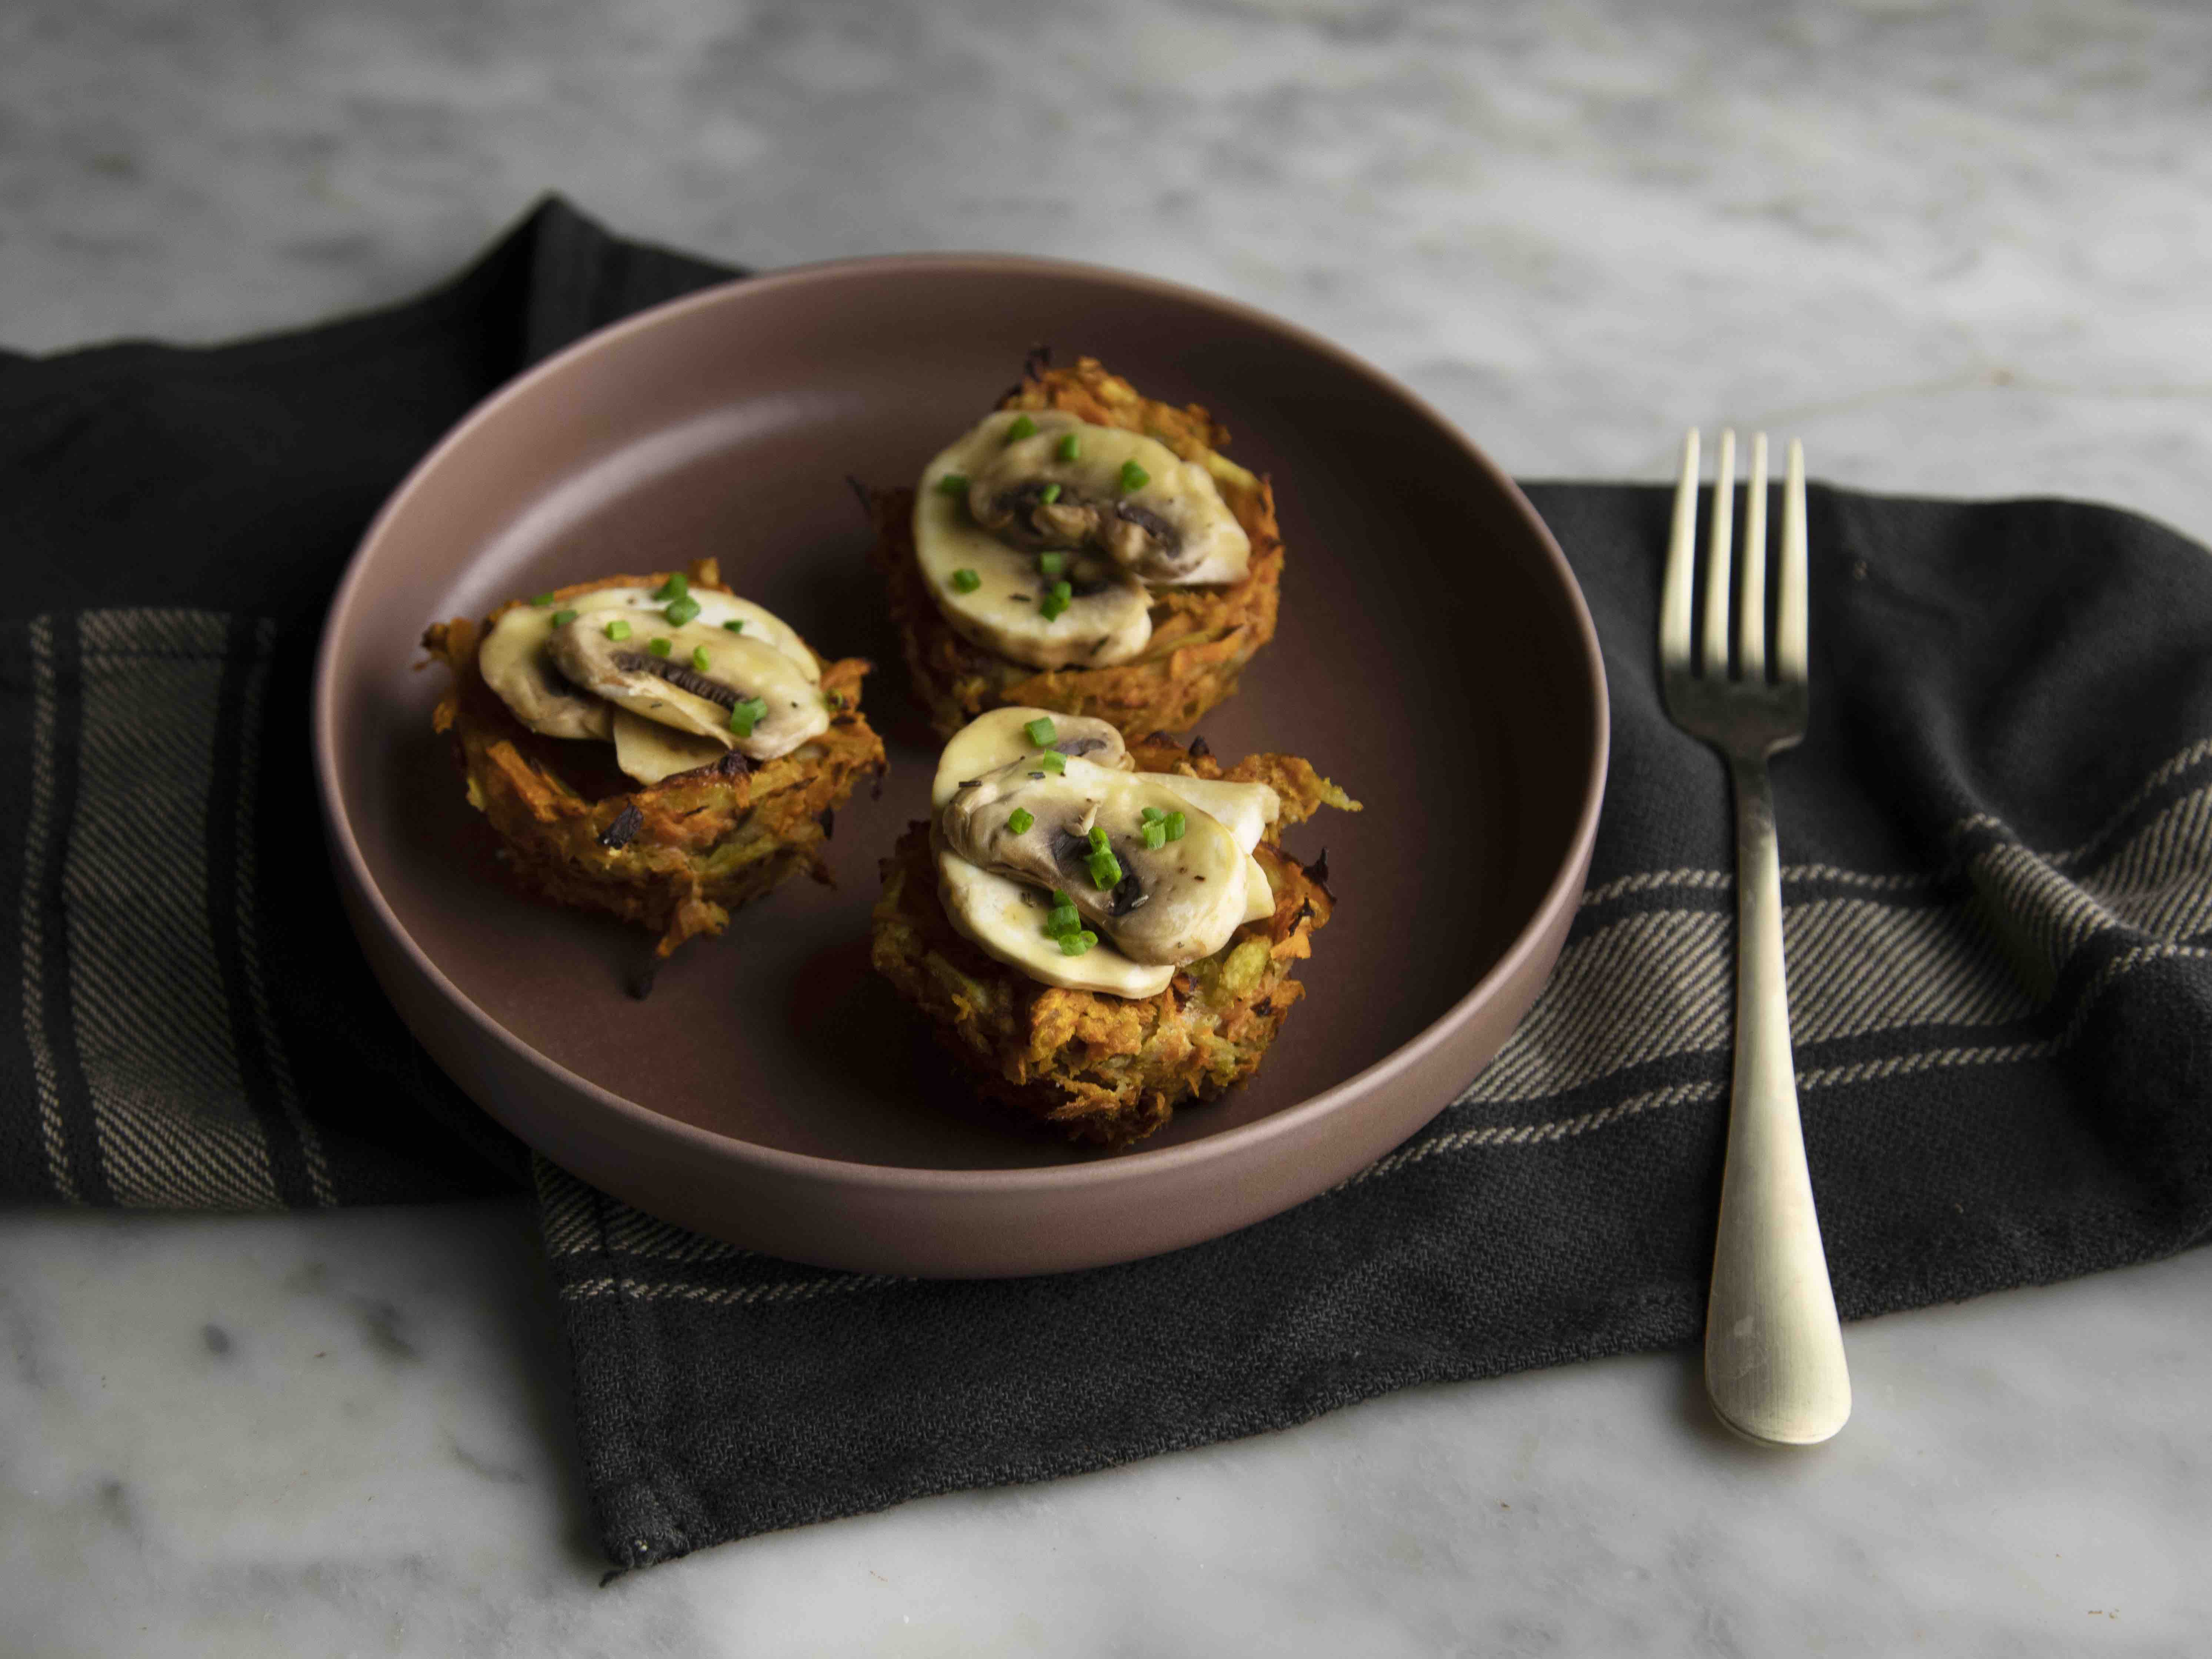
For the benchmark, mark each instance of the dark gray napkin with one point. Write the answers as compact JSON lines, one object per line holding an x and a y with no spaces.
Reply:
{"x":1999,"y":937}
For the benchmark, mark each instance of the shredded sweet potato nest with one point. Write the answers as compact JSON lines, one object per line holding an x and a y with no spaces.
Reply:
{"x":677,"y":856}
{"x":1106,"y":1069}
{"x":1201,"y":638}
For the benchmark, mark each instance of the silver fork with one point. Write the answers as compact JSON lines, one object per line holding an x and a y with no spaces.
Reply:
{"x":1774,"y":1350}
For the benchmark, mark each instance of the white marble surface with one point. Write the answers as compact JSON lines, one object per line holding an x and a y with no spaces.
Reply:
{"x":1960,"y":251}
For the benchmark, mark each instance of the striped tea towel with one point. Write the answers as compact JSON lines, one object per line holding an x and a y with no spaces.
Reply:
{"x":1999,"y":932}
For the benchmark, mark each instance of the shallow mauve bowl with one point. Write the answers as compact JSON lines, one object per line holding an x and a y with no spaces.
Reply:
{"x":1434,"y":658}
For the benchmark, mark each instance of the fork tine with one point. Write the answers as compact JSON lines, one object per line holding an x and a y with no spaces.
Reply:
{"x":1681,"y":551}
{"x":1790,"y":608}
{"x":1751,"y":635}
{"x":1720,"y":558}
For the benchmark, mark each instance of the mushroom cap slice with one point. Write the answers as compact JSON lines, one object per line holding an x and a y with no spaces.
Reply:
{"x":515,"y":662}
{"x":1171,"y":530}
{"x":650,"y":752}
{"x":1108,"y":615}
{"x":1001,"y":736}
{"x":674,"y":689}
{"x":1005,"y":919}
{"x":1172,"y":904}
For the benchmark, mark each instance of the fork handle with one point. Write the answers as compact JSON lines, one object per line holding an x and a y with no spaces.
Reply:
{"x":1774,"y":1350}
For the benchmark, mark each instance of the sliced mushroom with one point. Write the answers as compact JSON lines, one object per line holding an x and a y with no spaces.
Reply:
{"x":650,"y":752}
{"x":1001,"y":737}
{"x":1171,"y":529}
{"x":697,"y":684}
{"x":1174,"y":903}
{"x":514,"y":665}
{"x":1006,"y":920}
{"x":1259,"y":892}
{"x":1244,"y":809}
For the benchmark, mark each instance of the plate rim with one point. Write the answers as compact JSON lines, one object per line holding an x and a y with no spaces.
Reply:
{"x":1561,"y":890}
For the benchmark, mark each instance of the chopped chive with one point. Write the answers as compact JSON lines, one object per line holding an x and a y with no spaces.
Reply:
{"x":952,"y":484}
{"x":680,"y":611}
{"x":1042,"y":731}
{"x":674,"y":588}
{"x":1075,"y":944}
{"x":699,"y":657}
{"x":1105,"y":871}
{"x":562,"y":618}
{"x":1069,"y":447}
{"x":1133,"y":476}
{"x":1057,"y":599}
{"x":1049,"y":494}
{"x":746,"y":715}
{"x":541,"y":599}
{"x":966,"y":581}
{"x":1020,"y":427}
{"x":1051,"y":761}
{"x":1097,"y":838}
{"x":1156,"y":835}
{"x":1020,"y":819}
{"x":617,"y":630}
{"x":658,"y":646}
{"x":737,"y":627}
{"x":1063,"y":919}
{"x":1062,"y":901}
{"x":1052,"y":564}
{"x":1152,"y":815}
{"x":1175,"y":824}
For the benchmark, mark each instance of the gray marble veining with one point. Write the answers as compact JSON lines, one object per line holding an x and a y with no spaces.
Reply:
{"x":1962,"y":250}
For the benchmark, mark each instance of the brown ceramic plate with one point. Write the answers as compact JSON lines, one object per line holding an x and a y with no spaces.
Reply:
{"x":1434,"y":658}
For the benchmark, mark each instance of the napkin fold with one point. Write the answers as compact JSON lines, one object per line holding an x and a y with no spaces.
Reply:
{"x":1999,"y":896}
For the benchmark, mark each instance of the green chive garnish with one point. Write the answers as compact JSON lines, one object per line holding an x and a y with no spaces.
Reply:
{"x":617,"y":630}
{"x":1057,"y":599}
{"x":1051,"y":761}
{"x":1075,"y":944}
{"x":562,"y":618}
{"x":1019,"y":820}
{"x":1133,"y":476}
{"x":1152,"y":815}
{"x":952,"y":484}
{"x":659,"y":647}
{"x":737,"y":627}
{"x":1105,"y":871}
{"x":1064,"y":918}
{"x":1049,"y":494}
{"x":966,"y":581}
{"x":1097,"y":838}
{"x":680,"y":611}
{"x":699,"y":657}
{"x":1052,"y":564}
{"x":1042,"y":731}
{"x":1021,"y":427}
{"x":746,"y":715}
{"x":1174,"y":824}
{"x":541,"y":599}
{"x":1069,"y":447}
{"x":1156,"y":836}
{"x":674,"y":588}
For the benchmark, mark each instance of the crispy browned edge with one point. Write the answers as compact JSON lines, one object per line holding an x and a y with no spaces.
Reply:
{"x":1201,"y":638}
{"x":1105,"y":1069}
{"x":700,"y":844}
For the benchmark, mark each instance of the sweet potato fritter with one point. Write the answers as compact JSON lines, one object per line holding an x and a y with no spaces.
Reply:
{"x":1105,"y":1069}
{"x":1201,"y":638}
{"x":677,"y":856}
